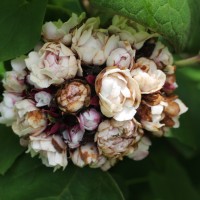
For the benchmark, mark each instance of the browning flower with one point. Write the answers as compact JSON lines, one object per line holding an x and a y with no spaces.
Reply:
{"x":116,"y":139}
{"x":30,"y":120}
{"x":73,"y":96}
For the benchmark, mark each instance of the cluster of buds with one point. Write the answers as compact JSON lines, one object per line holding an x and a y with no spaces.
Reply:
{"x":91,"y":95}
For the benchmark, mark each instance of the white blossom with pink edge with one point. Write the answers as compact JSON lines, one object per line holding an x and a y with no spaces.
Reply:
{"x":43,"y":98}
{"x":8,"y":114}
{"x":53,"y":64}
{"x":73,"y":136}
{"x":142,"y":150}
{"x":89,"y":119}
{"x":13,"y":81}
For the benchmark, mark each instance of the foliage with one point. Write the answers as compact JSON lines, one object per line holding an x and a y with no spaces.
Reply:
{"x":171,"y":170}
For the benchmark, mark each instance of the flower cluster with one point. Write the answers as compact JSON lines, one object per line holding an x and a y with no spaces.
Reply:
{"x":91,"y":95}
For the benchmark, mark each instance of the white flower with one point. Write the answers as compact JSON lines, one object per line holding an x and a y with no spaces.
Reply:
{"x":53,"y":64}
{"x":116,"y":139}
{"x":89,"y":119}
{"x":51,"y":150}
{"x":59,"y":31}
{"x":8,"y":114}
{"x":149,"y":78}
{"x":142,"y":150}
{"x":161,"y":55}
{"x":30,"y":120}
{"x":122,"y":57}
{"x":73,"y":136}
{"x":130,"y":31}
{"x":118,"y":92}
{"x":14,"y":80}
{"x":92,"y":45}
{"x":43,"y":98}
{"x":85,"y":155}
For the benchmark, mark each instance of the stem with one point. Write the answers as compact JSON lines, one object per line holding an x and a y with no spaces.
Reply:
{"x":188,"y":61}
{"x":137,"y":181}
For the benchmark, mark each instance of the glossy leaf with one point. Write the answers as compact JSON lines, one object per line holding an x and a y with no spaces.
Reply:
{"x":9,"y":148}
{"x":172,"y":19}
{"x":172,"y":183}
{"x":20,"y":23}
{"x":29,"y":179}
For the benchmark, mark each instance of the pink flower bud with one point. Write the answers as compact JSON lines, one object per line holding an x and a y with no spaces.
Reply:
{"x":90,"y":119}
{"x":73,"y":136}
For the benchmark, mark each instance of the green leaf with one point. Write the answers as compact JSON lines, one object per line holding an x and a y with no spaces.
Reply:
{"x":72,"y":6}
{"x":172,"y":183}
{"x":189,"y":91}
{"x":29,"y":179}
{"x":20,"y":22}
{"x":9,"y":148}
{"x":193,"y":44}
{"x":169,"y":18}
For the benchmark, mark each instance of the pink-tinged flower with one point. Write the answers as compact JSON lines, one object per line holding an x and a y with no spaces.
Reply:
{"x":161,"y":55}
{"x":118,"y":92}
{"x":142,"y":150}
{"x":116,"y":139}
{"x":8,"y":114}
{"x":29,"y":120}
{"x":73,"y":96}
{"x":59,"y":31}
{"x":170,"y":84}
{"x":51,"y":150}
{"x":53,"y":64}
{"x":149,"y":78}
{"x":73,"y":136}
{"x":14,"y":80}
{"x":85,"y":155}
{"x":89,"y":119}
{"x":92,"y":45}
{"x":43,"y":98}
{"x":122,"y":57}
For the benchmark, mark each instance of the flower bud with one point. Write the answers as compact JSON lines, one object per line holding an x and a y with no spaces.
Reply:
{"x":59,"y":31}
{"x":120,"y":58}
{"x":45,"y":147}
{"x":53,"y":64}
{"x":130,"y":31}
{"x":73,"y":136}
{"x":89,"y":119}
{"x":14,"y":80}
{"x":30,"y":120}
{"x":149,"y":78}
{"x":161,"y":55}
{"x":8,"y":114}
{"x":43,"y":98}
{"x":118,"y":92}
{"x":73,"y":96}
{"x":142,"y":150}
{"x":85,"y":155}
{"x":116,"y":139}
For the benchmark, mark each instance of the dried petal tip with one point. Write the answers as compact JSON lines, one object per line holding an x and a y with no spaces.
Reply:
{"x":73,"y":96}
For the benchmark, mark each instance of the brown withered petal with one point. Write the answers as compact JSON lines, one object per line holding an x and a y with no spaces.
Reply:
{"x":58,"y":143}
{"x":172,"y":109}
{"x":153,"y":99}
{"x":73,"y":96}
